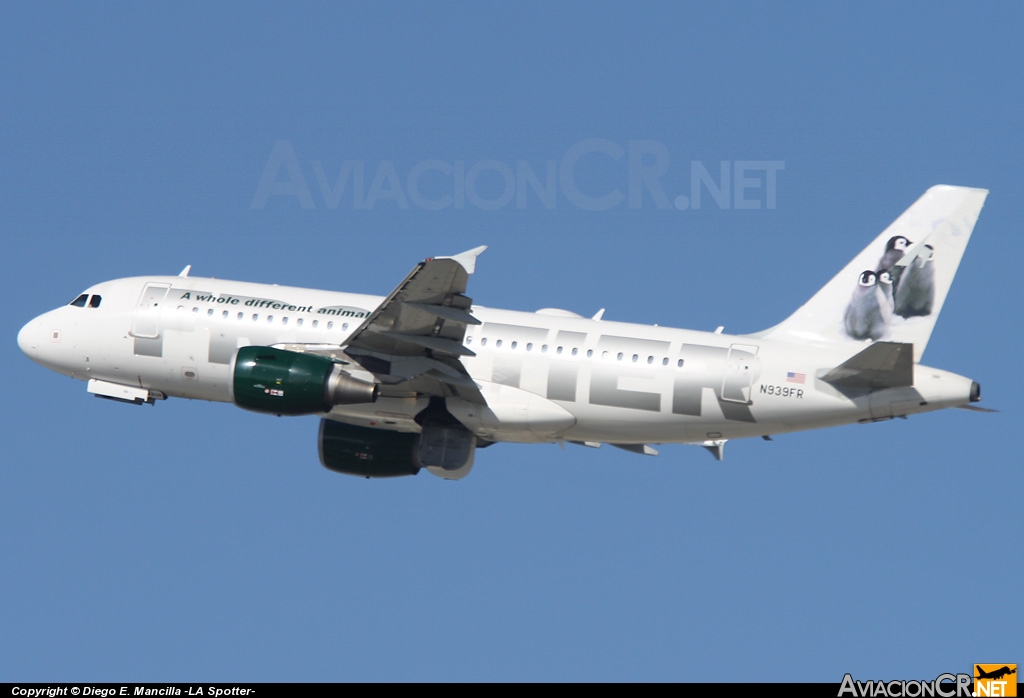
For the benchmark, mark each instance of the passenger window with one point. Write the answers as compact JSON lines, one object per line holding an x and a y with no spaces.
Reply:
{"x":94,"y":302}
{"x":299,"y":322}
{"x":270,"y":318}
{"x":544,"y":349}
{"x":209,"y":313}
{"x":558,"y":350}
{"x":650,"y":360}
{"x":255,"y":317}
{"x":515,"y":344}
{"x":679,"y":363}
{"x":316,"y":323}
{"x":284,"y":321}
{"x":344,"y":327}
{"x":529,"y":346}
{"x":330,"y":325}
{"x":498,"y":343}
{"x":483,"y":342}
{"x":574,"y":351}
{"x":469,"y":340}
{"x":80,"y":301}
{"x":241,"y":315}
{"x":195,"y":310}
{"x":619,"y":357}
{"x":664,"y":362}
{"x":590,"y":353}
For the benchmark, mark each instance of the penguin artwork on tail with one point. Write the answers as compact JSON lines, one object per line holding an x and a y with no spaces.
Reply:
{"x":894,"y":251}
{"x":869,"y":312}
{"x":915,"y":292}
{"x":893,"y":290}
{"x":885,"y":282}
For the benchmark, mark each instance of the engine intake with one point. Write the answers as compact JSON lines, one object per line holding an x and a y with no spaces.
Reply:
{"x":284,"y":382}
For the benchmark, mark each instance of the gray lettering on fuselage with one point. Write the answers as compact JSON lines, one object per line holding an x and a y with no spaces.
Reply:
{"x":145,"y":346}
{"x":604,"y":390}
{"x":739,"y":373}
{"x":563,"y":373}
{"x":706,"y":367}
{"x":507,"y":371}
{"x":513,"y":333}
{"x":222,"y":348}
{"x":736,"y":411}
{"x":609,"y":368}
{"x":703,"y":367}
{"x":508,"y":362}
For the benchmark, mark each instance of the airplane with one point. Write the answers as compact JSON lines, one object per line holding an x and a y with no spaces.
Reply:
{"x":995,"y":674}
{"x":425,"y":377}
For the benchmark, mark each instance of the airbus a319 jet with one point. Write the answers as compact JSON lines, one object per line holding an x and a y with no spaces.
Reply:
{"x":425,"y":377}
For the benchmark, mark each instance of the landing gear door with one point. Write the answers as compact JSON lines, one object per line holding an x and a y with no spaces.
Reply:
{"x":739,"y":373}
{"x":147,"y":316}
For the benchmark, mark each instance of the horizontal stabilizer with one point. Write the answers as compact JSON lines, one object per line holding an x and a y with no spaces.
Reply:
{"x":881,"y":365}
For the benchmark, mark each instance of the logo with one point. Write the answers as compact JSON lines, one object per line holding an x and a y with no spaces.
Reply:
{"x":943,"y":686}
{"x":995,"y":680}
{"x":999,"y":680}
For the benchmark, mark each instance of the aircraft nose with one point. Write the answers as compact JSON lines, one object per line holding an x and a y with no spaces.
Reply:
{"x":28,"y":338}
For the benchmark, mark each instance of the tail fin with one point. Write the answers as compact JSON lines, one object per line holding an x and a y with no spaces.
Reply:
{"x":895,"y":288}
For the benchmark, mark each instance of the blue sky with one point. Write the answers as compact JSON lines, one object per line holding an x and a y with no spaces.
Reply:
{"x":195,"y":541}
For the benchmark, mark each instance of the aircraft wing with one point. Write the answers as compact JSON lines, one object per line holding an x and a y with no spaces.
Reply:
{"x":413,"y":342}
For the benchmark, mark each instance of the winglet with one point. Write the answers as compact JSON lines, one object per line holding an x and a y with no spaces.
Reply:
{"x":468,"y":258}
{"x":186,"y":270}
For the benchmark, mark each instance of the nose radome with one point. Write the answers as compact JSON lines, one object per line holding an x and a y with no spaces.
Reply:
{"x":28,"y":338}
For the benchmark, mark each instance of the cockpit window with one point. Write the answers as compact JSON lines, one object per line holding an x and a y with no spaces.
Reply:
{"x":80,"y":301}
{"x":94,"y":302}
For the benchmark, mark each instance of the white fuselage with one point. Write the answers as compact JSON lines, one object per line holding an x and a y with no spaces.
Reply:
{"x":546,"y":376}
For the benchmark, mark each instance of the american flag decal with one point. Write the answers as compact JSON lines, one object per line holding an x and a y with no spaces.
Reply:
{"x":796,"y":377}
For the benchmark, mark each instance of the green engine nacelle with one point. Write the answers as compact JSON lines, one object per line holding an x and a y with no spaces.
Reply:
{"x":287,"y":382}
{"x":367,"y":452}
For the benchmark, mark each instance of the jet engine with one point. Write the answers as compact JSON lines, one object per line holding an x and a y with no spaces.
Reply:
{"x":289,"y":383}
{"x":367,"y":452}
{"x":445,"y":451}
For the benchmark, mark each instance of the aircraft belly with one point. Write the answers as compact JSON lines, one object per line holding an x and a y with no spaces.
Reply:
{"x":512,"y":414}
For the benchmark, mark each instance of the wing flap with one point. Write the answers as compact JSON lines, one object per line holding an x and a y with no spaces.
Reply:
{"x":414,"y":339}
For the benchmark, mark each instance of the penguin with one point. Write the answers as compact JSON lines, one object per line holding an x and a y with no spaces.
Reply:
{"x":885,"y":280}
{"x":915,"y":293}
{"x":868,"y":313}
{"x":894,"y":251}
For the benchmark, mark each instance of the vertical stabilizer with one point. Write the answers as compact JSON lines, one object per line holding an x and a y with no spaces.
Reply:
{"x":895,"y":288}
